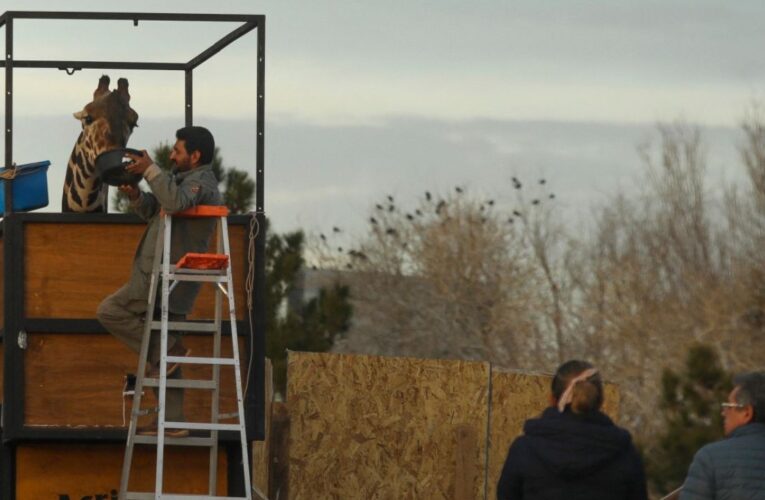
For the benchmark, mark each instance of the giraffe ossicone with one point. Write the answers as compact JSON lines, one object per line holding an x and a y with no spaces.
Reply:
{"x":107,"y":122}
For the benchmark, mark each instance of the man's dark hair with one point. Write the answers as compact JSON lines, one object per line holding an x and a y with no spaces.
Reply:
{"x":197,"y":139}
{"x":588,"y":396}
{"x":751,"y":391}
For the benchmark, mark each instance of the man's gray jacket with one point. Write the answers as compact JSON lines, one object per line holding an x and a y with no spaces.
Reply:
{"x":173,"y":193}
{"x":731,"y":469}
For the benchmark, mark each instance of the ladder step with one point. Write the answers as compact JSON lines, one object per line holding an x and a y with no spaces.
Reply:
{"x":180,"y":383}
{"x":203,"y":261}
{"x":176,"y":441}
{"x":197,"y":272}
{"x":202,"y":361}
{"x":186,"y":326}
{"x":130,"y":495}
{"x":204,"y":426}
{"x":216,"y":278}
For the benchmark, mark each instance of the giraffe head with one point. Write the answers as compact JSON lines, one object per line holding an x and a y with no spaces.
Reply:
{"x":108,"y":120}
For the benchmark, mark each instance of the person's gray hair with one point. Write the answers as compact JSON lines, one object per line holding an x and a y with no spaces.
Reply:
{"x":751,"y":391}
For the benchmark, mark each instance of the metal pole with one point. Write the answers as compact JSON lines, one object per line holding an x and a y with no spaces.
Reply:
{"x":8,"y":111}
{"x":256,"y":388}
{"x":189,"y":99}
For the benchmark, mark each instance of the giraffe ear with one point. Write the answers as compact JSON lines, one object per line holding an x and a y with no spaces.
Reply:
{"x":103,"y":87}
{"x":122,"y":89}
{"x":79,"y":115}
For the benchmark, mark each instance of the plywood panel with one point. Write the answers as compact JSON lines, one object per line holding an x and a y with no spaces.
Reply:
{"x":516,"y":397}
{"x":53,"y":470}
{"x":71,"y":268}
{"x":376,"y":427}
{"x":76,"y":380}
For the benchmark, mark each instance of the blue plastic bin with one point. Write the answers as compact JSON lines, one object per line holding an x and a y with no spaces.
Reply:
{"x":29,"y":187}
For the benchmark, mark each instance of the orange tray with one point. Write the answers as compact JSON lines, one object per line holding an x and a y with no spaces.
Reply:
{"x":203,"y":261}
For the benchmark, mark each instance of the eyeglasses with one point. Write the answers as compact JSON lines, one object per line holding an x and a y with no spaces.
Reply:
{"x":727,"y":405}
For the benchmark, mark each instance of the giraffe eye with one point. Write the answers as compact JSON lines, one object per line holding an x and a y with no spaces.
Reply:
{"x":88,"y":120}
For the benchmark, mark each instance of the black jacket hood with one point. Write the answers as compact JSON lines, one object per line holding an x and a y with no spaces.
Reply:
{"x":573,"y":446}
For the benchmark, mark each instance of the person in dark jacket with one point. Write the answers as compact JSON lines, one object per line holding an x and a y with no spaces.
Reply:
{"x":573,"y":451}
{"x":734,"y":468}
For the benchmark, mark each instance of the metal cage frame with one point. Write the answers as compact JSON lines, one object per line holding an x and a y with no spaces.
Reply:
{"x":15,"y":321}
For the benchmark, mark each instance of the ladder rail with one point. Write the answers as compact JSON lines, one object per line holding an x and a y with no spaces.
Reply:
{"x":237,"y":370}
{"x":142,"y":358}
{"x":160,"y":465}
{"x":215,"y":403}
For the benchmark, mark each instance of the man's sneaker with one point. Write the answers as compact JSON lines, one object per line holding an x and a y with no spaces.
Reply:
{"x":151,"y":430}
{"x":177,"y":350}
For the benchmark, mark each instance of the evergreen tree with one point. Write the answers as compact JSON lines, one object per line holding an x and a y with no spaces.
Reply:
{"x":690,"y":403}
{"x":299,"y":325}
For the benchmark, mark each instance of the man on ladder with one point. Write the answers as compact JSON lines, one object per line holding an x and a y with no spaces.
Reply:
{"x":192,"y":183}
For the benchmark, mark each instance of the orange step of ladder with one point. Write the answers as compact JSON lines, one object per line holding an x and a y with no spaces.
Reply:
{"x":203,"y":261}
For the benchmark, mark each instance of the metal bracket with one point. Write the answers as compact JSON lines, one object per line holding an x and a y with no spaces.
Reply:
{"x":22,"y":339}
{"x":70,"y":71}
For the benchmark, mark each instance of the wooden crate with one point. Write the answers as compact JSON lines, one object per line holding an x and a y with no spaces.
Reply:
{"x":69,"y":372}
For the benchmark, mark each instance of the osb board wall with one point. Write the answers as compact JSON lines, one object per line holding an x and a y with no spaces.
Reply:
{"x":70,"y":280}
{"x":76,"y":379}
{"x":516,"y":397}
{"x":385,"y":428}
{"x":52,"y":470}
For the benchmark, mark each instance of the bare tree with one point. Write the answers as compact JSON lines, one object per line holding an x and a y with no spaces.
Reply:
{"x":449,"y":278}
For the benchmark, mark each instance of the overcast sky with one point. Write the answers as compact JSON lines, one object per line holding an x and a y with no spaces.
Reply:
{"x":369,"y":98}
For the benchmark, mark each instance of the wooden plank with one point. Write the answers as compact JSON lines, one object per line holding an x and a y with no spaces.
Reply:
{"x":68,"y":278}
{"x":467,"y":458}
{"x":76,"y":380}
{"x":260,"y":449}
{"x":278,"y":474}
{"x":380,"y":427}
{"x":74,"y":471}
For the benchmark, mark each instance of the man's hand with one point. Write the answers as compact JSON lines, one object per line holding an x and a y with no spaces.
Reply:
{"x":132,"y":192}
{"x":140,"y":163}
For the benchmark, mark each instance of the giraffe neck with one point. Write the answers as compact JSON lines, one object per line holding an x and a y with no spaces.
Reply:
{"x":83,"y":190}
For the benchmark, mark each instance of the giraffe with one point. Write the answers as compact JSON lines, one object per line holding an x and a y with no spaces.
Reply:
{"x":107,"y":123}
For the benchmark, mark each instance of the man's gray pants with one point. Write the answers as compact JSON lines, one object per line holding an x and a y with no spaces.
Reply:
{"x":123,"y":316}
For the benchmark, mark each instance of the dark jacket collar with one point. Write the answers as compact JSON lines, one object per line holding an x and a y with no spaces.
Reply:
{"x":748,"y":430}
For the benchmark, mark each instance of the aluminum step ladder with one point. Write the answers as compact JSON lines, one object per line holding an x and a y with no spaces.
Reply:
{"x":210,"y":268}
